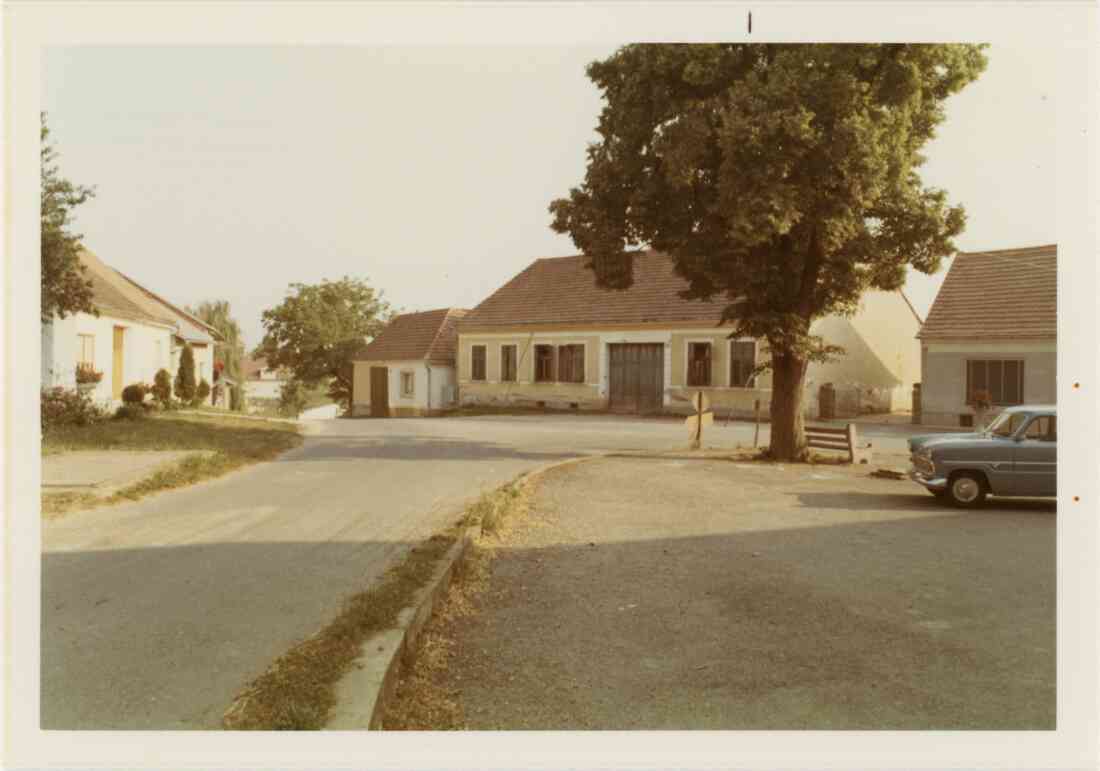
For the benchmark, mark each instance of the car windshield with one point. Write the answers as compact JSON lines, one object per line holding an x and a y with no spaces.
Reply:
{"x":1006,"y":424}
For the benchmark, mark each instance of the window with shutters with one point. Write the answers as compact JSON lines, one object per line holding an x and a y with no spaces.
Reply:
{"x":742,"y":362}
{"x":477,"y":362}
{"x":508,"y":364}
{"x":1003,"y":379}
{"x":698,"y":364}
{"x":544,"y":364}
{"x":571,"y":364}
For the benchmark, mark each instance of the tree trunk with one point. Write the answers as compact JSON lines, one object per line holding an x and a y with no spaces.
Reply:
{"x":788,"y":442}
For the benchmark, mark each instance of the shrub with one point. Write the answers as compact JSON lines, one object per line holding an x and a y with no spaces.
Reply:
{"x":65,"y":407}
{"x":202,"y":392}
{"x":292,"y":399}
{"x":130,"y":411}
{"x":185,"y":377}
{"x":135,"y":393}
{"x":162,"y":387}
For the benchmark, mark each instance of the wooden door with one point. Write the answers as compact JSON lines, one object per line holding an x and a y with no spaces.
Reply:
{"x":117,"y":364}
{"x":379,"y":392}
{"x":636,"y":377}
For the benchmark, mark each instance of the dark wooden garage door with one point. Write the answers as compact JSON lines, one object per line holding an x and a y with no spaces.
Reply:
{"x":379,"y":392}
{"x":637,"y":377}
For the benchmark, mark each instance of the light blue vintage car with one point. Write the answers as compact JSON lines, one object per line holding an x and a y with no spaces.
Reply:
{"x":1015,"y":455}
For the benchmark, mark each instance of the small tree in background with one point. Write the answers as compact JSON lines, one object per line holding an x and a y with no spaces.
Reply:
{"x":292,"y":398}
{"x":202,"y":392}
{"x":317,"y":330}
{"x":236,"y":399}
{"x":185,"y":376}
{"x":162,"y":387}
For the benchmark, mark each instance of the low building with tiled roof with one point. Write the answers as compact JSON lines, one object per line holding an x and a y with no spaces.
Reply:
{"x":409,"y":368}
{"x":550,"y":337}
{"x":136,"y":333}
{"x":993,"y":328}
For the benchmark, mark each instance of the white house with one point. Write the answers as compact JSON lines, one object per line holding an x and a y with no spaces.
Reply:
{"x":993,"y":328}
{"x":409,"y":369}
{"x":260,"y":380}
{"x":135,"y":334}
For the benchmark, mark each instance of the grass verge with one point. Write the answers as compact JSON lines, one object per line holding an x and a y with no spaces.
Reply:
{"x":222,"y":444}
{"x":297,"y":692}
{"x":423,"y":700}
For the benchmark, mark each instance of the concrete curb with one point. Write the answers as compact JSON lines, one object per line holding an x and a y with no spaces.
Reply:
{"x":363,"y":693}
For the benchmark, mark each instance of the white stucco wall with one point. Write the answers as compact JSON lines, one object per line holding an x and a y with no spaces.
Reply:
{"x":145,"y":349}
{"x":442,"y":376}
{"x":263,"y":389}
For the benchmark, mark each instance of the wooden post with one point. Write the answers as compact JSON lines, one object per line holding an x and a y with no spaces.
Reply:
{"x":852,"y":439}
{"x":756,"y":434}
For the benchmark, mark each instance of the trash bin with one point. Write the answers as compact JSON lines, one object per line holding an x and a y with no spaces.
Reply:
{"x":826,"y":402}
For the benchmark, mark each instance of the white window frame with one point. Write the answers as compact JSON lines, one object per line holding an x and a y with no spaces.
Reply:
{"x":411,"y":393}
{"x":80,"y":361}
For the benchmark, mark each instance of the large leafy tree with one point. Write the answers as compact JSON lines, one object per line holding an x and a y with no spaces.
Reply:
{"x":65,"y":288}
{"x":318,"y":329}
{"x":229,"y":353}
{"x":781,"y":179}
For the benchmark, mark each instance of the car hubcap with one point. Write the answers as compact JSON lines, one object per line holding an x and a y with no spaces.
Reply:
{"x":966,"y":489}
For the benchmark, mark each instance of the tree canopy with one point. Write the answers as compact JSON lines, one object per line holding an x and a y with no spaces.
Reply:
{"x":318,"y":329}
{"x":218,"y":314}
{"x":65,"y":288}
{"x":782,"y":179}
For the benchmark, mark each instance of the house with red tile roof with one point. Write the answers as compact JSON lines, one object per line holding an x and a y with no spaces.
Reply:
{"x":550,"y":337}
{"x":133,"y":333}
{"x":409,"y":368}
{"x":993,"y":327}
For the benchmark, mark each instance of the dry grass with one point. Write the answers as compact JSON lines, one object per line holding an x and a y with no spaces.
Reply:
{"x":223,"y":444}
{"x":298,"y":690}
{"x":423,"y":701}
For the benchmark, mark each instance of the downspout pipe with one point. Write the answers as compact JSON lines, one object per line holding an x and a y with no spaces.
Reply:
{"x":428,"y":366}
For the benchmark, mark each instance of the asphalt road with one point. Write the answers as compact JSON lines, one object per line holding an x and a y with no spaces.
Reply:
{"x":155,"y":613}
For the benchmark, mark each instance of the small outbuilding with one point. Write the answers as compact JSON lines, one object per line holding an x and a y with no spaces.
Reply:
{"x":992,"y":330}
{"x":408,"y":370}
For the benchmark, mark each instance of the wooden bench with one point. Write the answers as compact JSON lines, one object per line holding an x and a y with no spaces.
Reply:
{"x":841,"y":439}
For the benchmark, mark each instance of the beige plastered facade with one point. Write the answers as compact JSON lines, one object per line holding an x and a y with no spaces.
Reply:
{"x":882,"y":361}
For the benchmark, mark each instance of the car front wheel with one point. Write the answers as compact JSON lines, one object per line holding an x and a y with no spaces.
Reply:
{"x":967,"y":490}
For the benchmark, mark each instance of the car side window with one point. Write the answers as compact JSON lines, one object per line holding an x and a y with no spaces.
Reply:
{"x":1042,"y":429}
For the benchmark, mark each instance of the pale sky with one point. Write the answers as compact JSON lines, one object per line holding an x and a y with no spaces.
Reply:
{"x":229,"y":173}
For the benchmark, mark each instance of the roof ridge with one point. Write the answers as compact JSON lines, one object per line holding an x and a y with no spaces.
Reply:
{"x":1008,"y":252}
{"x":216,"y":334}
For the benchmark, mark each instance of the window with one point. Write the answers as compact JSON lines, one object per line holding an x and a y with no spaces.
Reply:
{"x":477,"y":362}
{"x":1003,"y":380}
{"x":507,"y":364}
{"x":544,"y":364}
{"x":698,"y":364}
{"x":85,"y":351}
{"x":1043,"y":429}
{"x":1007,"y":423}
{"x":571,"y":364}
{"x":742,"y":361}
{"x":408,"y":383}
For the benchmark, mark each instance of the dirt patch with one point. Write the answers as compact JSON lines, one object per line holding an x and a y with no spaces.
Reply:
{"x":668,"y":594}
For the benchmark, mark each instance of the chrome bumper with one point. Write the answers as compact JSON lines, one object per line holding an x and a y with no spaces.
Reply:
{"x":932,"y":483}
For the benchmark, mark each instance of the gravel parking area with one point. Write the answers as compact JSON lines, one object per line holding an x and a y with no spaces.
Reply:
{"x":664,"y":594}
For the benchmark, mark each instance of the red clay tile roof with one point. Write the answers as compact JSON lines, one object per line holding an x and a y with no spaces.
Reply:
{"x":1010,"y":294}
{"x":560,"y":290}
{"x":429,"y":335}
